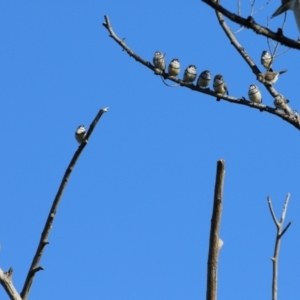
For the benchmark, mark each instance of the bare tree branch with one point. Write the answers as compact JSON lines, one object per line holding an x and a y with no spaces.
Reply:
{"x":286,"y":228}
{"x":250,"y":23}
{"x":279,"y":234}
{"x":6,"y":282}
{"x":292,"y":119}
{"x":272,"y":212}
{"x":276,"y":45}
{"x":252,"y":12}
{"x":34,"y":268}
{"x":215,"y":243}
{"x":242,"y":51}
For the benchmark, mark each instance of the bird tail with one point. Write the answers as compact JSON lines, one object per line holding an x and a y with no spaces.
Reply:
{"x":283,"y":8}
{"x":288,"y":110}
{"x":283,"y":71}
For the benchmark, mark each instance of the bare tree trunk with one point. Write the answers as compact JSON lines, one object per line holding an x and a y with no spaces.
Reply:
{"x":215,"y":243}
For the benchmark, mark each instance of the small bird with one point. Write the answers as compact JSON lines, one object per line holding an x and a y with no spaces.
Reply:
{"x":190,"y":73}
{"x":293,"y":5}
{"x":219,"y":85}
{"x":269,"y":77}
{"x":174,"y":67}
{"x":204,"y":79}
{"x":80,"y":134}
{"x":159,"y":61}
{"x":281,"y":103}
{"x":266,"y":60}
{"x":254,"y":94}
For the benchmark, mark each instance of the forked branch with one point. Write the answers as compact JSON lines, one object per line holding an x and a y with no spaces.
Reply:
{"x":215,"y":243}
{"x":279,"y":234}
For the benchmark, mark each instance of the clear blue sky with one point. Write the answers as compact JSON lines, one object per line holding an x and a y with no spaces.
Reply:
{"x":134,"y":220}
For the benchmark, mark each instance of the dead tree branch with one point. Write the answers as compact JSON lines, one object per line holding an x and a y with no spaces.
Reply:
{"x":6,"y":282}
{"x":242,"y":51}
{"x":279,"y":234}
{"x":34,"y":268}
{"x":250,"y":23}
{"x":215,"y":243}
{"x":292,"y":119}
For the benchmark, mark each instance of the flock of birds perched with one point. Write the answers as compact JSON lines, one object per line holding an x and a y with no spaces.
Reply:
{"x":219,"y":85}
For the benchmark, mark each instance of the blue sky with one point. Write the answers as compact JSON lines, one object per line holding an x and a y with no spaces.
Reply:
{"x":134,"y":220}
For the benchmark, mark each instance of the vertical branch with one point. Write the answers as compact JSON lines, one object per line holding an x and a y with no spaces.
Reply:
{"x":215,"y":243}
{"x":279,"y":234}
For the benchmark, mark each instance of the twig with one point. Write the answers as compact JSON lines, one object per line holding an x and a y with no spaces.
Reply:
{"x":252,"y":12}
{"x":292,"y":119}
{"x":6,"y":282}
{"x":276,"y":45}
{"x":34,"y":268}
{"x":215,"y":243}
{"x":279,"y":234}
{"x":250,"y":23}
{"x":261,"y":8}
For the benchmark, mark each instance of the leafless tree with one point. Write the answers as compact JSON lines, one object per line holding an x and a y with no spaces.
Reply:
{"x":215,"y":242}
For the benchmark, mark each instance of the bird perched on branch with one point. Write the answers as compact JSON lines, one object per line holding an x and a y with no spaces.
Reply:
{"x":80,"y":134}
{"x":282,"y":103}
{"x":266,"y":60}
{"x":190,"y":73}
{"x":219,"y":85}
{"x":204,"y":79}
{"x":293,"y":5}
{"x":159,"y":61}
{"x":174,"y":67}
{"x":254,"y":94}
{"x":269,"y":77}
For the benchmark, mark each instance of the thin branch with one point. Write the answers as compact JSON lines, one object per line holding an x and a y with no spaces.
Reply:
{"x":284,"y":209}
{"x":34,"y":268}
{"x":279,"y":234}
{"x":215,"y":243}
{"x":261,"y":8}
{"x":252,"y":12}
{"x":272,"y":212}
{"x":241,"y":50}
{"x":250,"y":23}
{"x":292,"y":119}
{"x":6,"y":282}
{"x":286,"y":228}
{"x":276,"y":45}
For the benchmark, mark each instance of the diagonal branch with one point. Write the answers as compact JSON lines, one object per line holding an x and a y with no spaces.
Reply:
{"x":34,"y":268}
{"x":215,"y":243}
{"x":292,"y":119}
{"x":242,"y":51}
{"x":279,"y":234}
{"x":250,"y":23}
